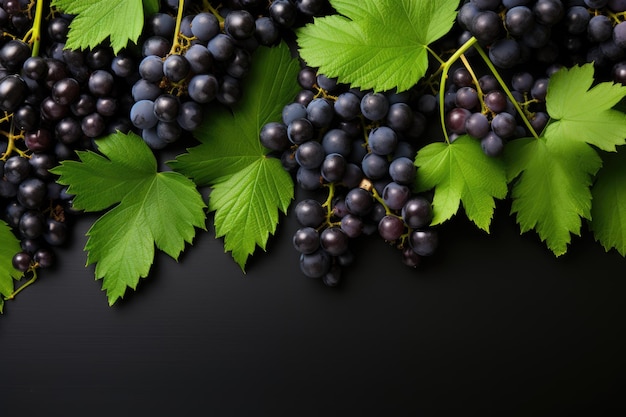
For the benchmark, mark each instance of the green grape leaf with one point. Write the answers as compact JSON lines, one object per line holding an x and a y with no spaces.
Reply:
{"x":248,"y":187}
{"x":9,"y":247}
{"x":461,"y":172}
{"x":149,"y":208}
{"x":95,"y":21}
{"x":551,"y":192}
{"x":608,"y":211}
{"x":551,"y":176}
{"x":584,"y":113}
{"x":376,"y":44}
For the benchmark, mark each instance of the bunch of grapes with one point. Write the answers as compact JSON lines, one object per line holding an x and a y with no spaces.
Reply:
{"x":356,"y":148}
{"x":53,"y":101}
{"x":546,"y":32}
{"x":206,"y":60}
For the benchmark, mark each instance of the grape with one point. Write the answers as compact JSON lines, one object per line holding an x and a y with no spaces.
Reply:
{"x":239,"y":24}
{"x":395,"y":195}
{"x":44,"y":257}
{"x":492,"y":144}
{"x":101,"y":83}
{"x":93,"y":125}
{"x":486,"y":26}
{"x":374,"y":106}
{"x":31,"y":193}
{"x":348,"y":105}
{"x":300,"y":131}
{"x":162,"y":24}
{"x":466,"y":97}
{"x":577,"y":19}
{"x":619,"y":35}
{"x":496,"y":101}
{"x":283,"y":12}
{"x":205,"y":26}
{"x":168,"y":132}
{"x":337,"y":141}
{"x":548,"y":12}
{"x":599,"y":28}
{"x":320,"y":112}
{"x":316,"y":264}
{"x":310,"y":154}
{"x":203,"y":88}
{"x":477,"y":125}
{"x":333,"y":167}
{"x":352,"y":225}
{"x":374,"y":166}
{"x":65,"y":91}
{"x":293,"y":111}
{"x":306,"y":240}
{"x":22,"y":261}
{"x":189,"y":115}
{"x":199,"y":58}
{"x":13,"y":90}
{"x":456,"y":118}
{"x":151,"y":68}
{"x":390,"y":228}
{"x":359,"y":201}
{"x":505,"y":53}
{"x":417,"y":212}
{"x":142,"y":114}
{"x":176,"y":68}
{"x":518,"y":20}
{"x":503,"y":125}
{"x":424,"y":242}
{"x":166,"y":108}
{"x":221,"y":47}
{"x":309,"y":212}
{"x":308,"y":179}
{"x":334,"y":241}
{"x":400,"y":117}
{"x":382,"y":140}
{"x":266,"y":31}
{"x":55,"y":233}
{"x":273,"y":136}
{"x":31,"y":224}
{"x":402,"y":170}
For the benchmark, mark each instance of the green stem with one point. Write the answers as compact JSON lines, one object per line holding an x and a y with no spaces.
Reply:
{"x":37,"y":28}
{"x":519,"y":110}
{"x":23,"y":286}
{"x":179,"y":18}
{"x":444,"y":76}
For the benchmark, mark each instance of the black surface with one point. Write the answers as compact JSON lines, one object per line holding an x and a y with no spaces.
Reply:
{"x":493,"y":325}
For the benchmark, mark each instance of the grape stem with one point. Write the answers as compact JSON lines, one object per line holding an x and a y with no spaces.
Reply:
{"x":11,"y":146}
{"x":33,"y":36}
{"x":179,"y":17}
{"x":519,"y":110}
{"x":33,"y":270}
{"x":459,"y":54}
{"x":444,"y":76}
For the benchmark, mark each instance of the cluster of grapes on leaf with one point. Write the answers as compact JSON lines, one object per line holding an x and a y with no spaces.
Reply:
{"x":358,"y":146}
{"x":206,"y":61}
{"x":55,"y":101}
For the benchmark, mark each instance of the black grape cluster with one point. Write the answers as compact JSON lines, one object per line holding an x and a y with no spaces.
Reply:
{"x":546,"y":32}
{"x":357,"y":148}
{"x":51,"y":105}
{"x":482,"y":109}
{"x":206,"y":62}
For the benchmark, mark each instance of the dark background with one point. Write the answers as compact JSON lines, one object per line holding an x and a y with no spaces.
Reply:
{"x":491,"y":325}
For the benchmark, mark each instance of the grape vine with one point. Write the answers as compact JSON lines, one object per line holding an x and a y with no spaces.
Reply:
{"x":482,"y":100}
